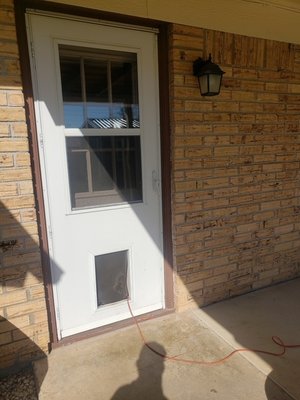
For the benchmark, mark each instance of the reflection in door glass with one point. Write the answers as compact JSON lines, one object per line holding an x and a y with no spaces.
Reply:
{"x":104,"y":170}
{"x":99,"y":88}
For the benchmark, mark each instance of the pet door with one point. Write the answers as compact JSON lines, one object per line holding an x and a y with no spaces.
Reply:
{"x":111,"y":277}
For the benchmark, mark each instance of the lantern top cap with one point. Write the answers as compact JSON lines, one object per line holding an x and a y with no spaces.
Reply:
{"x":205,"y":67}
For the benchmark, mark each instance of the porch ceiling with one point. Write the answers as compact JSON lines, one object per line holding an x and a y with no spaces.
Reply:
{"x":269,"y":19}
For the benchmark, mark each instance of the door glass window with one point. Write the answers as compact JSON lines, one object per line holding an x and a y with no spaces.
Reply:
{"x":99,"y":88}
{"x":104,"y":170}
{"x":100,"y":91}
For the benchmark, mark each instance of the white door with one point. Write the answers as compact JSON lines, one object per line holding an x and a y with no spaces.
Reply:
{"x":96,"y":97}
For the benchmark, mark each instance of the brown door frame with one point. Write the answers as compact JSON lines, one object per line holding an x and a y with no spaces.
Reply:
{"x":20,"y":11}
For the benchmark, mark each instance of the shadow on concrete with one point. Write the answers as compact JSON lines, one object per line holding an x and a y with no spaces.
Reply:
{"x":251,"y":320}
{"x":148,"y":385}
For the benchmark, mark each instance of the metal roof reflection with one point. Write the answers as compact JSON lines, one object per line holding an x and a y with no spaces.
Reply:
{"x":111,"y":123}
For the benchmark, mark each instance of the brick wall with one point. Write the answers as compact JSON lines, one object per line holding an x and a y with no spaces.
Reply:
{"x":235,"y":156}
{"x":23,"y":317}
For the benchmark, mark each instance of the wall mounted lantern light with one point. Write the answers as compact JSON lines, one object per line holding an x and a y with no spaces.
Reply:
{"x":209,"y":76}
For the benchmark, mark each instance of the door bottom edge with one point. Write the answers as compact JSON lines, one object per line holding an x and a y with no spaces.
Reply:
{"x":111,"y":327}
{"x":111,"y":320}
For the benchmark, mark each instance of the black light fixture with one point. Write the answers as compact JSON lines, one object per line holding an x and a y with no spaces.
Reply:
{"x":209,"y":76}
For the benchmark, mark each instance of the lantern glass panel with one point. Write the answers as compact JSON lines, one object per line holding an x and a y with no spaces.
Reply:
{"x":214,"y":83}
{"x":203,"y":82}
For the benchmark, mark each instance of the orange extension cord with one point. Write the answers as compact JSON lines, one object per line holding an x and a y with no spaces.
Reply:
{"x":277,"y":340}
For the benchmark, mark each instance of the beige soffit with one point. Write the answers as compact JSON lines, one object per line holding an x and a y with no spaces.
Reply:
{"x":269,"y":19}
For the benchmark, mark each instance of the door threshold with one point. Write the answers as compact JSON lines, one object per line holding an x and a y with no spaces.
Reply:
{"x":110,"y":328}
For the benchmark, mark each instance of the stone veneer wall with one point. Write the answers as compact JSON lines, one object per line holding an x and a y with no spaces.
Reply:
{"x":23,"y":317}
{"x":236,"y":204}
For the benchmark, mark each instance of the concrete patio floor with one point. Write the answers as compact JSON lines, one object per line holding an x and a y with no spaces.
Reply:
{"x":118,"y":366}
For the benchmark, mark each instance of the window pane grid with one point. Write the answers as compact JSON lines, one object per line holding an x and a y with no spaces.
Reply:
{"x":101,"y":92}
{"x":104,"y":170}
